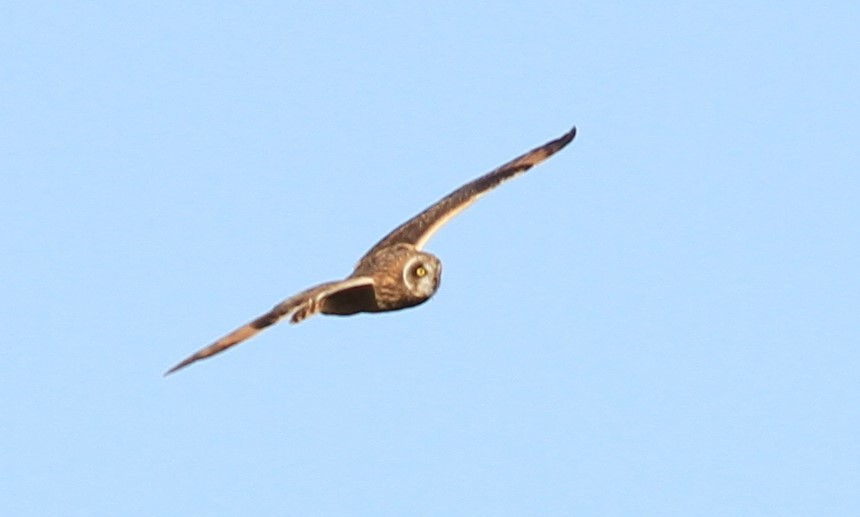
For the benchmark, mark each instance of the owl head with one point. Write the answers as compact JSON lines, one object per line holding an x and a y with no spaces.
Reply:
{"x":422,"y":274}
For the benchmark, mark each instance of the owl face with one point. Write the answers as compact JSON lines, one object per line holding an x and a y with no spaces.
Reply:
{"x":422,"y":273}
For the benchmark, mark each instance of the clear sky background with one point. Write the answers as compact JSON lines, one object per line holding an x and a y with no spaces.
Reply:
{"x":662,"y":319}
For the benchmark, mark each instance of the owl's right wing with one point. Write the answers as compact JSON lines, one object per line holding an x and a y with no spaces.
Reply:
{"x":303,"y":305}
{"x":420,"y":228}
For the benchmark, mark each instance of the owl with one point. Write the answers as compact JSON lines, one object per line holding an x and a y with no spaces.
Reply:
{"x":396,"y":273}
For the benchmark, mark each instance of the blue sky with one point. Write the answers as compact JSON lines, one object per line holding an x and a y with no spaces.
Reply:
{"x":660,"y":320}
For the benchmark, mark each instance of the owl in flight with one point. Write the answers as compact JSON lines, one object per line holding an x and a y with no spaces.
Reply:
{"x":395,"y":273}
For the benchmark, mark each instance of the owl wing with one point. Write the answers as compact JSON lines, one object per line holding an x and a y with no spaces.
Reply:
{"x":420,"y":228}
{"x":301,"y":306}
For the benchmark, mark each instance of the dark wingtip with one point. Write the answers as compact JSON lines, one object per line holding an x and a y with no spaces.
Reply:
{"x":564,"y":140}
{"x":179,"y":366}
{"x":559,"y":143}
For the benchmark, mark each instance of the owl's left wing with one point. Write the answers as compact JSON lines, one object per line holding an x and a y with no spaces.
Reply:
{"x":301,"y":306}
{"x":420,"y":228}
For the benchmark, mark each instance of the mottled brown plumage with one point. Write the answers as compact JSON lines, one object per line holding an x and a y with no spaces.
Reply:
{"x":394,"y":274}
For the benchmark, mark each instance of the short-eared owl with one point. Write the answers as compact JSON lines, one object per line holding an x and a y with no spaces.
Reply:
{"x":395,"y":273}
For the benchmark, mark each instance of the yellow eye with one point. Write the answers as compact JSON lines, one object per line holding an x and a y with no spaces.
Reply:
{"x":420,"y":271}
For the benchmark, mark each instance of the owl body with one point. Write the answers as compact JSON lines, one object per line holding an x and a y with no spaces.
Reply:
{"x":402,"y":276}
{"x":395,"y":274}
